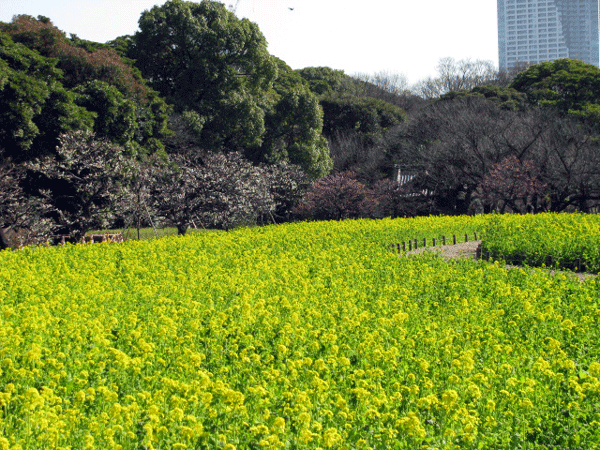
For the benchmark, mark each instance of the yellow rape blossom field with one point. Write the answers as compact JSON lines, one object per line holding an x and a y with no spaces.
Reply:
{"x":571,"y":239}
{"x":297,"y":336}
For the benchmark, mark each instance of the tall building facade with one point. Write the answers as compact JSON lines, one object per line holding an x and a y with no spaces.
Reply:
{"x":532,"y":31}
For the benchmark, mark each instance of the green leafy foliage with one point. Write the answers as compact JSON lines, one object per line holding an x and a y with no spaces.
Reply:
{"x":80,"y":61}
{"x":326,"y":81}
{"x":571,"y":239}
{"x":113,"y":98}
{"x":201,"y":57}
{"x":568,"y":85}
{"x":506,"y":98}
{"x":293,"y":126}
{"x":363,"y":114}
{"x":33,"y":102}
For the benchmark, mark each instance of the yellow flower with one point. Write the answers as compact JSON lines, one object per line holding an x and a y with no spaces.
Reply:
{"x":449,"y":398}
{"x":304,"y":418}
{"x":331,"y":437}
{"x":594,"y":369}
{"x":306,"y":436}
{"x":278,"y":426}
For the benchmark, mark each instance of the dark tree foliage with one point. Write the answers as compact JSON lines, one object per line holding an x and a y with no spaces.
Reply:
{"x":511,"y":186}
{"x":22,"y":217}
{"x":34,"y":106}
{"x":201,"y":57}
{"x":363,"y":114}
{"x":84,"y":182}
{"x":125,"y":110}
{"x":78,"y":64}
{"x":567,"y":85}
{"x":504,"y":97}
{"x":287,"y":184}
{"x":293,"y":127}
{"x":327,"y":81}
{"x":337,"y":197}
{"x":213,"y":190}
{"x":229,"y":93}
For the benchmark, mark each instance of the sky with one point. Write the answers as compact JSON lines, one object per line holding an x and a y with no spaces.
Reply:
{"x":405,"y":37}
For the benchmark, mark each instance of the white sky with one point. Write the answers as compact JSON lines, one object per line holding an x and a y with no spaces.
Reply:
{"x":397,"y":36}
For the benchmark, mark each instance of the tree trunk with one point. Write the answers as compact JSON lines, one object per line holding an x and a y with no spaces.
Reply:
{"x":4,"y":244}
{"x":182,"y":229}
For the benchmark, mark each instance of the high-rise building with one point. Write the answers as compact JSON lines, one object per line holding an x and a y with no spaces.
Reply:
{"x":532,"y":31}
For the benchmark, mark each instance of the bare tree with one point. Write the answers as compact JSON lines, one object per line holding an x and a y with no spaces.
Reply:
{"x":379,"y":84}
{"x":215,"y":190}
{"x":359,"y":153}
{"x":458,"y":141}
{"x":23,"y":218}
{"x":388,"y":86}
{"x":511,"y":185}
{"x":569,"y":163}
{"x":455,"y":76}
{"x":336,"y":197}
{"x":84,"y":181}
{"x":506,"y":77}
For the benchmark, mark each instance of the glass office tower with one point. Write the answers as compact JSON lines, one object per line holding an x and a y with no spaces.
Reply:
{"x":532,"y":31}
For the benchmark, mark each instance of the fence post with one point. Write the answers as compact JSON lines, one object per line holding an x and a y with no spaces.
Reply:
{"x":409,"y":245}
{"x":443,"y":240}
{"x":433,"y":242}
{"x":475,"y":235}
{"x":424,"y":242}
{"x":416,"y":244}
{"x":403,"y":246}
{"x":454,"y":239}
{"x":466,"y":238}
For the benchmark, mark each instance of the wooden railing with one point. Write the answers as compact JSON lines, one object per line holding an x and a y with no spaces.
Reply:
{"x":415,"y":244}
{"x":92,"y":238}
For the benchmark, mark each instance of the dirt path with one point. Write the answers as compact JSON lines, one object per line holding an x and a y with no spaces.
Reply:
{"x":466,"y":249}
{"x":469,"y":250}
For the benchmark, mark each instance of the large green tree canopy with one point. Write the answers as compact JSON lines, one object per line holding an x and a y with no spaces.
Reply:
{"x":568,"y":85}
{"x":201,"y":57}
{"x":34,"y":105}
{"x":216,"y":70}
{"x":294,"y":125}
{"x":90,"y":87}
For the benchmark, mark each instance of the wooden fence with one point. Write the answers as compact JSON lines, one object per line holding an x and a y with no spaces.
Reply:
{"x":518,"y":260}
{"x":415,"y":244}
{"x":92,"y":238}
